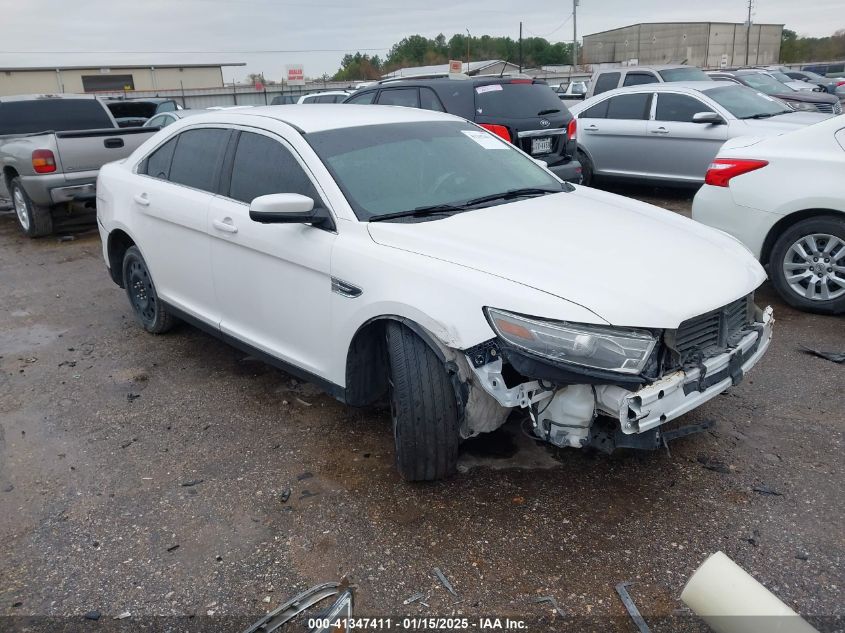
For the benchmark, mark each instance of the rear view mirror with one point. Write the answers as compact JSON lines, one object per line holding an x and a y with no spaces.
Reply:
{"x":707,"y":117}
{"x":282,"y":208}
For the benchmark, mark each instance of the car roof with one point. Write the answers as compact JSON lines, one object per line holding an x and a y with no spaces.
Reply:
{"x":446,"y":81}
{"x":331,"y":116}
{"x":739,"y":71}
{"x":324,"y":92}
{"x":646,"y":67}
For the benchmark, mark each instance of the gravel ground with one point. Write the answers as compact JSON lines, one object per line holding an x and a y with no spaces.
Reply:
{"x":150,"y":475}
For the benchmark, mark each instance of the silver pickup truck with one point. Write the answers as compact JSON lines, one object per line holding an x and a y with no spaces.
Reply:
{"x":51,"y":148}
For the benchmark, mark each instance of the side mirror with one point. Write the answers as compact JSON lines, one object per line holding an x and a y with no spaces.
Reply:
{"x":285,"y":208}
{"x":707,"y":117}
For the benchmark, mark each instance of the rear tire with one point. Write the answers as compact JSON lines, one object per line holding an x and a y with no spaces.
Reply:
{"x":33,"y":220}
{"x":587,"y":177}
{"x":149,"y":310}
{"x":815,"y":273}
{"x":423,"y":406}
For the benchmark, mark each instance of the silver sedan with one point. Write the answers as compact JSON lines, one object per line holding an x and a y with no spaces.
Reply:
{"x":671,"y":132}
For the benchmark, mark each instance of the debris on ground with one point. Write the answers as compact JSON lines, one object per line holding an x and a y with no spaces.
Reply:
{"x":413,"y":598}
{"x":754,"y":539}
{"x":192,"y":482}
{"x":307,"y":493}
{"x":122,"y":616}
{"x":551,"y":601}
{"x":67,"y":238}
{"x":766,"y":491}
{"x":303,"y":403}
{"x":633,"y":611}
{"x":173,"y":548}
{"x":304,"y":476}
{"x":92,"y":615}
{"x":802,"y":555}
{"x":131,"y":397}
{"x":836,"y":357}
{"x":714,"y":465}
{"x":285,"y":495}
{"x":129,"y":443}
{"x":444,"y":581}
{"x":8,"y":488}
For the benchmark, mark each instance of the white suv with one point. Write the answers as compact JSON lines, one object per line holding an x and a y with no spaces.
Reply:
{"x":394,"y":252}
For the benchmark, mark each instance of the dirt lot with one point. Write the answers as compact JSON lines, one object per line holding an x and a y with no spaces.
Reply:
{"x":147,"y":475}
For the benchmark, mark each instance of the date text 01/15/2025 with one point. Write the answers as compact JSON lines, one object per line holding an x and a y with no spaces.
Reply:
{"x":420,"y":624}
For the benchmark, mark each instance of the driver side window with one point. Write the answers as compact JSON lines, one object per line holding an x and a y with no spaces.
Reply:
{"x":677,"y":107}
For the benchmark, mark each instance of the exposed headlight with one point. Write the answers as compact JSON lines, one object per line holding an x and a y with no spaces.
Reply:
{"x":613,"y":349}
{"x":801,"y":106}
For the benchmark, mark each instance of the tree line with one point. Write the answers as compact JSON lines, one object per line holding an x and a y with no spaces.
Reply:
{"x":811,"y":49}
{"x":417,"y":50}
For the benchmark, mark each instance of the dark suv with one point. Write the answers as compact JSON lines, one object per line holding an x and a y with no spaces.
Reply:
{"x":524,"y":112}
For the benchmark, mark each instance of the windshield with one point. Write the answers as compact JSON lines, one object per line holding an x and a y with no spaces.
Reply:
{"x":812,"y":76}
{"x":745,"y":103}
{"x":780,"y":76}
{"x":764,"y":83}
{"x":517,"y":99}
{"x":390,"y":168}
{"x":684,"y":74}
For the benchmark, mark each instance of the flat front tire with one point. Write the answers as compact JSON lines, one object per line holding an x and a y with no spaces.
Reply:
{"x":423,"y":407}
{"x":33,"y":220}
{"x":152,"y":314}
{"x":807,"y":265}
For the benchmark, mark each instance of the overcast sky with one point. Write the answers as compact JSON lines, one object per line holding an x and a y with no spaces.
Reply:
{"x":267,"y":34}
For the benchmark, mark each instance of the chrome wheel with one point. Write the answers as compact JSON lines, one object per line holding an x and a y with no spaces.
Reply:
{"x":814,"y":267}
{"x":20,"y":208}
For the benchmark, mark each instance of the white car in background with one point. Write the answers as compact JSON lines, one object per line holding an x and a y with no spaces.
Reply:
{"x":396,"y":252}
{"x":784,"y":198}
{"x":328,"y":96}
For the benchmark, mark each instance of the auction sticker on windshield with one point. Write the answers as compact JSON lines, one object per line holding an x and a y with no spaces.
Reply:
{"x":491,"y":88}
{"x":487,"y":141}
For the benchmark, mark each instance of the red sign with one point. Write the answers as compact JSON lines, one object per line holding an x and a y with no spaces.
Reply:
{"x":456,"y":66}
{"x":296,"y":75}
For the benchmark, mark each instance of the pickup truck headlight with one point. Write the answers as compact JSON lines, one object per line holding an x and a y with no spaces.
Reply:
{"x":801,"y":106}
{"x":612,"y":349}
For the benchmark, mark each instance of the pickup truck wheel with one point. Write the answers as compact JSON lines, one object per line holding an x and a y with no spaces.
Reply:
{"x":423,"y":408}
{"x":33,"y":220}
{"x":586,"y":168}
{"x":807,"y":265}
{"x":152,"y":313}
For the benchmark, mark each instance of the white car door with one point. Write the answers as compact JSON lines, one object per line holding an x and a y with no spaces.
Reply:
{"x":175,"y":186}
{"x":678,"y":148}
{"x":613,"y":131}
{"x":272,"y":281}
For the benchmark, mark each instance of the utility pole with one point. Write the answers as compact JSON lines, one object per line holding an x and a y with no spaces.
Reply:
{"x":468,"y":38}
{"x":520,"y":47}
{"x":574,"y":37}
{"x":748,"y":31}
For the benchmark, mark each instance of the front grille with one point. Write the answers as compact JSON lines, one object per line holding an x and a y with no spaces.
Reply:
{"x":829,"y":108}
{"x":712,"y":331}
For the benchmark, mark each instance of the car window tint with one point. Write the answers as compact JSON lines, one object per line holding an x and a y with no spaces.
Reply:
{"x":675,"y":107}
{"x":39,"y":115}
{"x":637,"y":79}
{"x":363,"y":99}
{"x":158,"y":163}
{"x":605,"y":82}
{"x":167,"y":106}
{"x":628,"y":106}
{"x":408,"y":97}
{"x":598,"y":111}
{"x":430,"y":101}
{"x":197,"y":156}
{"x":157,"y":121}
{"x":263,"y":166}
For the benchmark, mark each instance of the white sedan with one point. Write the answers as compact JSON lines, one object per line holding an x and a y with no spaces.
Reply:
{"x":783,"y":197}
{"x":394,"y":252}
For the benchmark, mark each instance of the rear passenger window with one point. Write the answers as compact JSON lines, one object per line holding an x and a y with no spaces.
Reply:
{"x":158,"y":163}
{"x":196,"y":158}
{"x":605,"y":82}
{"x":674,"y":107}
{"x":629,"y":106}
{"x":430,"y":101}
{"x":263,"y":166}
{"x":636,"y":79}
{"x":408,"y":97}
{"x":363,"y":99}
{"x":598,"y":111}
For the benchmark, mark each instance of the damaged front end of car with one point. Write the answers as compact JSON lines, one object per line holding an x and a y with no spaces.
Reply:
{"x":609,"y":387}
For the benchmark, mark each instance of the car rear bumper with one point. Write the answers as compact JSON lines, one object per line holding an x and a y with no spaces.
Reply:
{"x":569,"y":171}
{"x":715,"y":207}
{"x":51,"y":189}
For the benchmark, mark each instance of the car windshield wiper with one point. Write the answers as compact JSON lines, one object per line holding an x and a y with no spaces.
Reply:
{"x":552,"y":111}
{"x":421,"y":212}
{"x":511,"y":194}
{"x":767,"y":115}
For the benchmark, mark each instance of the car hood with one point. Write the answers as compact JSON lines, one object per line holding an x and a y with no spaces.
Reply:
{"x":806,"y":95}
{"x":783,"y":122}
{"x":630,"y":263}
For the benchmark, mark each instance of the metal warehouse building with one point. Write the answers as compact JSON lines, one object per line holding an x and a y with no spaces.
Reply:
{"x":78,"y":79}
{"x":705,"y":44}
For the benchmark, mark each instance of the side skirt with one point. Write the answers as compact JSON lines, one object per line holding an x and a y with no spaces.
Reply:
{"x":334,"y":390}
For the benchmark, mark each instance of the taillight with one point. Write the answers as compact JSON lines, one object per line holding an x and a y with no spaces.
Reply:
{"x":722,"y":170}
{"x":498,"y":130}
{"x":522,"y":81}
{"x":572,"y":129}
{"x":43,"y":161}
{"x":840,"y":82}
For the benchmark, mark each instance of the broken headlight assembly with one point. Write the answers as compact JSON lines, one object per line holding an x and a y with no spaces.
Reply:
{"x":621,"y":350}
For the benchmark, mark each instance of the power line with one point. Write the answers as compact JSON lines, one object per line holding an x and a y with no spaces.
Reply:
{"x":244,"y":52}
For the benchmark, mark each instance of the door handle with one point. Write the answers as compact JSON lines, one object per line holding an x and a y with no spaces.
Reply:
{"x":660,"y":130}
{"x":226,"y":225}
{"x":142,"y":199}
{"x":113,"y":143}
{"x":592,"y":128}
